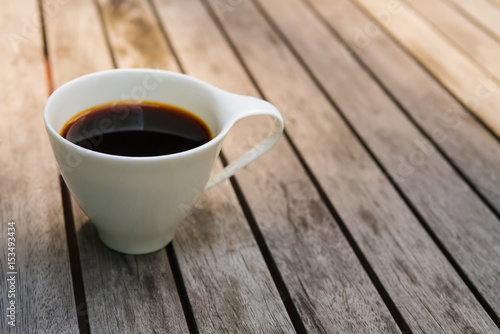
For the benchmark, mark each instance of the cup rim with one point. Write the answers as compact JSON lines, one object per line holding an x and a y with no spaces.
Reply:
{"x":87,"y":152}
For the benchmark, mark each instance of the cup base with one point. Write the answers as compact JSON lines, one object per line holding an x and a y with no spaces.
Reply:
{"x":133,"y":247}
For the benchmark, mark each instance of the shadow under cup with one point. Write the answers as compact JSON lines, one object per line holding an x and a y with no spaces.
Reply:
{"x":136,"y":203}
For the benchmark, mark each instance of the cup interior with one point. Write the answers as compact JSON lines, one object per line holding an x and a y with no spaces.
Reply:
{"x":133,"y":85}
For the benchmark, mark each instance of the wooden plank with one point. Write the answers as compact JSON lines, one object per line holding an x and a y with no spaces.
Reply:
{"x":423,"y":285}
{"x":133,"y":294}
{"x":29,"y":187}
{"x":293,"y":220}
{"x":471,"y":39}
{"x":481,"y":12}
{"x":440,"y":196}
{"x":473,"y":86}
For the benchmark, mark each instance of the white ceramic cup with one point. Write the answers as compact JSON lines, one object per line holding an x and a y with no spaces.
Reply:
{"x":136,"y":203}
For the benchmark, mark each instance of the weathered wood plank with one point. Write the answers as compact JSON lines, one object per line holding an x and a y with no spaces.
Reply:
{"x":303,"y":238}
{"x":471,"y":39}
{"x":441,"y":197}
{"x":29,"y":186}
{"x":132,"y":294}
{"x":482,"y":12}
{"x":470,"y":84}
{"x":417,"y":276}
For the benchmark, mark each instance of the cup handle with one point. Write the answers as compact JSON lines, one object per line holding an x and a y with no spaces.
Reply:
{"x":253,"y":107}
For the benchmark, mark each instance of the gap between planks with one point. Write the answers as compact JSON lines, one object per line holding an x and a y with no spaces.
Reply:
{"x":181,"y":289}
{"x":74,"y":260}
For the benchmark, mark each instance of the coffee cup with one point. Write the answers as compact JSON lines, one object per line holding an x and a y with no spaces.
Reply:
{"x":136,"y":203}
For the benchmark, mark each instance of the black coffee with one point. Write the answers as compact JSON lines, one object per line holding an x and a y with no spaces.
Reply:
{"x":137,"y":129}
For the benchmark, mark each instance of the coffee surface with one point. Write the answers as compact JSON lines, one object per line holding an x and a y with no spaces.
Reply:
{"x":137,"y":129}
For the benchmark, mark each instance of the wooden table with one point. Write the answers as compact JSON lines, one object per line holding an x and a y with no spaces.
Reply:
{"x":377,"y":212}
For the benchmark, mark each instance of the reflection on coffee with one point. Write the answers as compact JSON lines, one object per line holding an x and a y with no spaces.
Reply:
{"x":137,"y":129}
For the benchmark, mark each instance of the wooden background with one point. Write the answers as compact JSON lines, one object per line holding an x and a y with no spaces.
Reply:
{"x":377,"y":211}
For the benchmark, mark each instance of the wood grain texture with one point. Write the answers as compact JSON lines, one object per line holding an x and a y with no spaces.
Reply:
{"x":441,"y":197}
{"x":316,"y":262}
{"x":124,"y":294}
{"x":468,"y":37}
{"x":482,"y":12}
{"x":29,"y":186}
{"x":417,"y":276}
{"x":473,"y":86}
